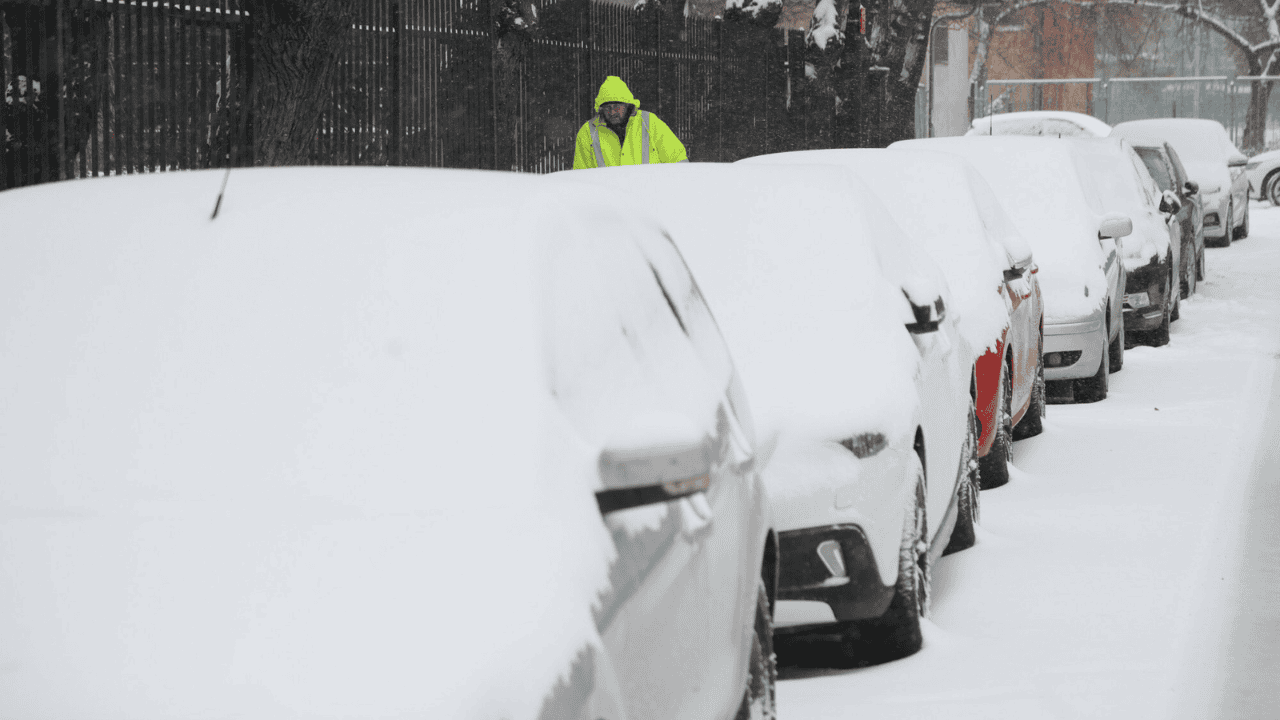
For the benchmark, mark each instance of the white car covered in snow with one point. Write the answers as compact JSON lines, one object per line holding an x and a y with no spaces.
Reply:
{"x":1213,"y":162}
{"x":857,"y":374}
{"x":363,"y":447}
{"x":989,"y":270}
{"x":1040,"y":123}
{"x":1152,"y":255}
{"x":1041,"y":184}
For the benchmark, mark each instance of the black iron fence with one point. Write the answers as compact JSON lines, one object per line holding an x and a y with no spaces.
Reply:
{"x":103,"y":87}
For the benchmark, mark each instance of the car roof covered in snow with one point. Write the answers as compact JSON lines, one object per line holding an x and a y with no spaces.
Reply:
{"x":282,"y":461}
{"x":1202,"y":145}
{"x":971,"y":244}
{"x":1050,"y":123}
{"x":1038,"y":181}
{"x":786,"y":258}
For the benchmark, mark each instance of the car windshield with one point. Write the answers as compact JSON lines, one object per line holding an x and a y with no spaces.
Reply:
{"x":1160,"y":171}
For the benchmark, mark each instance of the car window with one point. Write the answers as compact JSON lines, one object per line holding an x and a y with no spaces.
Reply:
{"x":1179,"y":170}
{"x":1143,"y":177}
{"x":1155,"y":162}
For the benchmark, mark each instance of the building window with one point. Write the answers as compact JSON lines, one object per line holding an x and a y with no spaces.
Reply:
{"x":941,"y":44}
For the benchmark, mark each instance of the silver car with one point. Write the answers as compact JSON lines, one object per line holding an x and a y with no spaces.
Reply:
{"x":363,"y":446}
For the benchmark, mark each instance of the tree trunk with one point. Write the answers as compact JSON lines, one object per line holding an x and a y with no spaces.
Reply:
{"x":899,"y":40}
{"x":296,"y":45}
{"x":1255,"y":126}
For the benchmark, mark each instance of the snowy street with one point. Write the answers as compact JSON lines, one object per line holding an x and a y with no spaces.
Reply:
{"x":1129,"y":569}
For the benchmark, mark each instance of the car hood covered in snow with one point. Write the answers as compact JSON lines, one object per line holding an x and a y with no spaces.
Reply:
{"x":287,"y":463}
{"x":1124,"y":185}
{"x":786,"y":260}
{"x":1039,"y":185}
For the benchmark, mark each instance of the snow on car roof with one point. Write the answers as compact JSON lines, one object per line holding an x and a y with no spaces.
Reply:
{"x":785,"y":260}
{"x":1038,"y":183}
{"x":1041,"y":122}
{"x":282,"y":461}
{"x":1197,"y":141}
{"x":948,"y":223}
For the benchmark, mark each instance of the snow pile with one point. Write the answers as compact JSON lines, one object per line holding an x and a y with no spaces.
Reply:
{"x":753,"y":8}
{"x":785,"y":257}
{"x":822,"y":26}
{"x":1038,"y":184}
{"x":1047,"y":123}
{"x":948,"y":224}
{"x":1123,"y":184}
{"x":300,"y":461}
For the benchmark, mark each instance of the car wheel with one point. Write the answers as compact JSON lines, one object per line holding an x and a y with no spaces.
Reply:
{"x":993,"y":468}
{"x":1273,"y":188}
{"x":1200,"y":265}
{"x":1115,"y":351}
{"x":1242,"y":232}
{"x":1228,"y":233}
{"x":1032,"y":422}
{"x":896,"y":634}
{"x":1094,"y":389}
{"x":1174,"y":297}
{"x":963,"y":536}
{"x":759,"y":699}
{"x":1187,"y":275}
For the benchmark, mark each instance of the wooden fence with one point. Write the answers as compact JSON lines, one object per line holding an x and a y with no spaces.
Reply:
{"x":103,"y":87}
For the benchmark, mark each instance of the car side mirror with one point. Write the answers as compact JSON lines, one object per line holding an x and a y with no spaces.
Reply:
{"x":661,"y":457}
{"x":1237,"y":160}
{"x":1169,"y":203}
{"x":1192,"y":187}
{"x":1013,"y":273}
{"x":1115,"y":225}
{"x":928,"y":317}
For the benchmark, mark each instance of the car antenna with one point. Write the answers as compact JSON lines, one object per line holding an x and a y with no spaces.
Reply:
{"x":218,"y":205}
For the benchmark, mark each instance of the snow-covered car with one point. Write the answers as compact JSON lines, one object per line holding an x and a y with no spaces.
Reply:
{"x":990,"y":272}
{"x":362,"y":447}
{"x":1152,"y":254}
{"x":1263,"y":170}
{"x":1213,"y":162}
{"x":1166,"y":169}
{"x":859,"y":383}
{"x":1039,"y":183}
{"x":1041,"y":123}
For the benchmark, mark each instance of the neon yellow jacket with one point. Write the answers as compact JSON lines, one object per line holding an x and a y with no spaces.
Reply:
{"x":596,"y":144}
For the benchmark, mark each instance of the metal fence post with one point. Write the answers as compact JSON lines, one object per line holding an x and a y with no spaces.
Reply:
{"x":395,"y":154}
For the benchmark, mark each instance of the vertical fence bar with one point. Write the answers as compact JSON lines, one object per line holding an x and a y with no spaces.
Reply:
{"x":60,"y":88}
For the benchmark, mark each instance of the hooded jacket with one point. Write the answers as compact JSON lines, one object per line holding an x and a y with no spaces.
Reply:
{"x":597,"y":145}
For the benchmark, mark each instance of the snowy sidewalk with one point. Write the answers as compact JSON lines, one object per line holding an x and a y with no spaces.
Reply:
{"x":1099,"y":585}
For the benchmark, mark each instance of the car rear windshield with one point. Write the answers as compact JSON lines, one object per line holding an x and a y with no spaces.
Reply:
{"x":1159,"y":169}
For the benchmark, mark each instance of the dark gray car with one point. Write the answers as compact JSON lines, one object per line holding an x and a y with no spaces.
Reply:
{"x":1167,"y":170}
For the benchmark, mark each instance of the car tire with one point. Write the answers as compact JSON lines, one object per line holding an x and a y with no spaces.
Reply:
{"x":1175,"y":298}
{"x":1228,"y":233}
{"x":1189,"y":271}
{"x":993,"y":468}
{"x":1094,"y":389}
{"x":1115,"y":351}
{"x":1200,"y":265}
{"x":896,"y":634}
{"x":1242,"y":232}
{"x":1273,"y":188}
{"x":1032,"y":423}
{"x":963,"y":535}
{"x":759,"y":698}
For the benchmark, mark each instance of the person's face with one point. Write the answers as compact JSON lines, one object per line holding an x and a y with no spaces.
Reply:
{"x":614,"y":112}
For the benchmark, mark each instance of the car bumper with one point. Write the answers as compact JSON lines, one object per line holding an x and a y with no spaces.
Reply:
{"x":851,"y":591}
{"x":1074,"y":350}
{"x":1215,"y":218}
{"x":1153,"y":280}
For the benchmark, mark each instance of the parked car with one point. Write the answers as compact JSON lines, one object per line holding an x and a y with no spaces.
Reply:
{"x":1046,"y":123}
{"x":1262,"y":170}
{"x":1039,"y":183}
{"x":1166,"y":169}
{"x":363,"y":446}
{"x":1214,"y":164}
{"x":1152,"y":255}
{"x":989,"y":269}
{"x":857,"y":376}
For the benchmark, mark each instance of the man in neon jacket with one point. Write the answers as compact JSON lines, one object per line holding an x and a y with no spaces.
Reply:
{"x":623,"y":134}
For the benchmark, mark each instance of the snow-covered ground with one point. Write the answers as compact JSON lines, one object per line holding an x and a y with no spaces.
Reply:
{"x":1110,"y":578}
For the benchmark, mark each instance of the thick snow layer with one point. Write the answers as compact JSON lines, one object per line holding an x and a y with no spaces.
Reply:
{"x":1124,"y":184}
{"x":1105,"y":581}
{"x":786,"y":259}
{"x":822,"y":26}
{"x":299,"y":461}
{"x":1049,"y":123}
{"x":1037,"y":181}
{"x":752,"y":8}
{"x":1202,"y":145}
{"x":948,"y":224}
